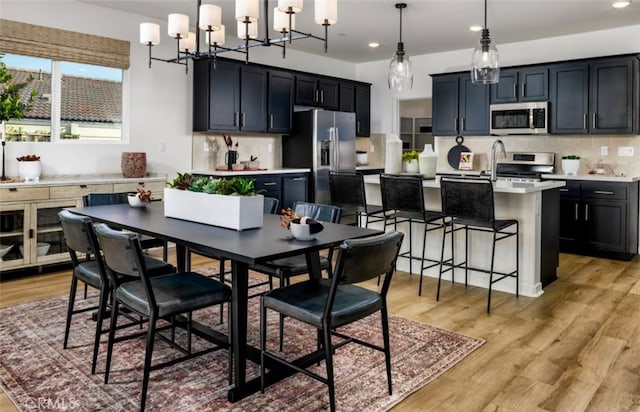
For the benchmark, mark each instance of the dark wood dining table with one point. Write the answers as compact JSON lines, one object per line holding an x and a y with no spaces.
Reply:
{"x":242,"y":248}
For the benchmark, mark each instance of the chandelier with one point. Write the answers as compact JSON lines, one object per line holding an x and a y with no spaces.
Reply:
{"x":400,"y":76}
{"x":247,"y":14}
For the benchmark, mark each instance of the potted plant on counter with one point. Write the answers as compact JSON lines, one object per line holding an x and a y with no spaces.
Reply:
{"x":29,"y":167}
{"x":232,"y":203}
{"x":410,"y":162}
{"x":570,"y":165}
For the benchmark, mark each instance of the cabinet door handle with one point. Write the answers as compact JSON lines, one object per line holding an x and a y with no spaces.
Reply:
{"x":13,"y":189}
{"x":271,"y":121}
{"x":358,"y":126}
{"x":524,"y":88}
{"x":515,"y":90}
{"x":594,"y":120}
{"x":584,"y":121}
{"x":299,"y":178}
{"x":586,"y":212}
{"x":603,"y":192}
{"x":235,"y":119}
{"x":321,"y":96}
{"x":83,"y":186}
{"x":141,"y":184}
{"x":576,"y":211}
{"x":243,"y":119}
{"x":270,"y":184}
{"x":31,"y":233}
{"x":316,"y":99}
{"x":456,"y":123}
{"x":563,"y":190}
{"x":462,"y":126}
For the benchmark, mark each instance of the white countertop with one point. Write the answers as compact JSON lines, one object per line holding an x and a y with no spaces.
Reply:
{"x":594,"y":177}
{"x":62,"y":180}
{"x":248,"y":172}
{"x":501,"y":186}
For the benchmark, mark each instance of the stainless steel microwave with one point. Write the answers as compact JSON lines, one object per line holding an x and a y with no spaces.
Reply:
{"x":519,"y":118}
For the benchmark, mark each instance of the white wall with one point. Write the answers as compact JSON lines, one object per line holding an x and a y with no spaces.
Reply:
{"x":160,"y":99}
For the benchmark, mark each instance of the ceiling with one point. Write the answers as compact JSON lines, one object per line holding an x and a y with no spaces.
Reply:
{"x":428,"y":25}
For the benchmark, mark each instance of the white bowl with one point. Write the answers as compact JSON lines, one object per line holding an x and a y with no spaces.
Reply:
{"x":4,"y":249}
{"x":300,"y":231}
{"x":42,"y":248}
{"x":134,"y":200}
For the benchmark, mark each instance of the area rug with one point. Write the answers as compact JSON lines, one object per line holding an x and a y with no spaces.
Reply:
{"x":36,"y":373}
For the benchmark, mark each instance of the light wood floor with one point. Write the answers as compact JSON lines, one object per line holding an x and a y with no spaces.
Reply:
{"x":575,"y":348}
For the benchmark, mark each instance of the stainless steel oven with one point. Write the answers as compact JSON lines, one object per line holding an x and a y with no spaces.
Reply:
{"x":519,"y":118}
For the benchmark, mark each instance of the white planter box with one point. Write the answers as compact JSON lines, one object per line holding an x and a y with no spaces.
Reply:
{"x":233,"y":212}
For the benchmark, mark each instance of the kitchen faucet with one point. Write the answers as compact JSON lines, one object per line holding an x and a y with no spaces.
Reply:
{"x":498,"y":142}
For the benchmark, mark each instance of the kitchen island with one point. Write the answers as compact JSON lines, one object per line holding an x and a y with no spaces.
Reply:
{"x":534,"y":205}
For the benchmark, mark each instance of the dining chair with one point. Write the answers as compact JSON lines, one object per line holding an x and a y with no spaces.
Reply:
{"x":348,"y":193}
{"x":286,"y":268}
{"x":403,"y":201}
{"x":328,"y":304}
{"x":468,"y":205}
{"x":155,"y":298}
{"x":81,"y":240}
{"x":99,"y":199}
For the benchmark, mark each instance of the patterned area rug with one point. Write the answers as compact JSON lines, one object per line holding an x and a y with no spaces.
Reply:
{"x":37,"y":373}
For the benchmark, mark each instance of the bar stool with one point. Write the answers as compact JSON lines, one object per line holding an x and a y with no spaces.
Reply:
{"x":403,"y":201}
{"x":347,"y":192}
{"x":468,"y":205}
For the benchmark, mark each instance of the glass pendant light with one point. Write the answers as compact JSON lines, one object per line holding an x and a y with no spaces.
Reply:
{"x":400,"y":71}
{"x":485,"y":66}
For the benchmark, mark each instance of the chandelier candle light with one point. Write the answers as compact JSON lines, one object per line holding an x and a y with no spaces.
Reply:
{"x":485,"y":68}
{"x":247,"y":14}
{"x":400,"y":72}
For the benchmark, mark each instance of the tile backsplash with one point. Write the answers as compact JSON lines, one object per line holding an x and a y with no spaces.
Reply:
{"x":587,"y":147}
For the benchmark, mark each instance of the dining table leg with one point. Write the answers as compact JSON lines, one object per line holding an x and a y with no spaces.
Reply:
{"x":238,"y":332}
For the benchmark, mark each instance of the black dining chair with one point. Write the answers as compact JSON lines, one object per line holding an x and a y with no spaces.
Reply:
{"x":468,"y":205}
{"x":88,"y":267}
{"x":286,"y":268}
{"x":328,"y":304}
{"x":155,"y":298}
{"x":403,"y":201}
{"x":99,"y":199}
{"x":348,"y":193}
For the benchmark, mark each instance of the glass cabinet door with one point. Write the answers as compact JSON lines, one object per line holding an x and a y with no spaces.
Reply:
{"x":14,"y":230}
{"x":48,"y":243}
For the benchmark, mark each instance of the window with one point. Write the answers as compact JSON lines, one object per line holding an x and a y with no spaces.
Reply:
{"x":75,"y":101}
{"x":80,"y":78}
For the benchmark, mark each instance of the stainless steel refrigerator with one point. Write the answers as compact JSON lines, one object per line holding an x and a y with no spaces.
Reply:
{"x":323,"y":141}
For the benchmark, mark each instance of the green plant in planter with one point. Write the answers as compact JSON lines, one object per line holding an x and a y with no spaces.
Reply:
{"x":410,"y":155}
{"x":237,"y":186}
{"x":571,"y":157}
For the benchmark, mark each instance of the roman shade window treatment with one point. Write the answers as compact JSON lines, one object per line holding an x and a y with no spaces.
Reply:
{"x":63,"y":45}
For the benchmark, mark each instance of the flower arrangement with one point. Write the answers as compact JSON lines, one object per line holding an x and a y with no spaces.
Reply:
{"x":291,"y":220}
{"x":28,"y":158}
{"x":144,"y":195}
{"x":287,"y":216}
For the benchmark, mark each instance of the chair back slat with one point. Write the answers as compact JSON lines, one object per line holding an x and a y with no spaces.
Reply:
{"x":271,"y":205}
{"x":318,"y":212}
{"x":119,"y":251}
{"x":363,"y":259}
{"x":101,"y":199}
{"x":467,"y":199}
{"x":347,"y":189}
{"x":403,"y":193}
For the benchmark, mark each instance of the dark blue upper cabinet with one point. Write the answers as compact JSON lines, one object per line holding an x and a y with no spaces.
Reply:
{"x":521,"y":85}
{"x":569,"y":98}
{"x":459,"y":106}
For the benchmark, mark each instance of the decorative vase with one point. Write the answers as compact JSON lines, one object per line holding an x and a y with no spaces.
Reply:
{"x":30,"y":170}
{"x":393,"y":154}
{"x":133,"y":164}
{"x":427,"y":161}
{"x":570,"y":167}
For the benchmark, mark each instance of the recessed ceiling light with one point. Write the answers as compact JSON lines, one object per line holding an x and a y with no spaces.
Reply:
{"x":374,"y":44}
{"x":475,"y":28}
{"x":620,"y":4}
